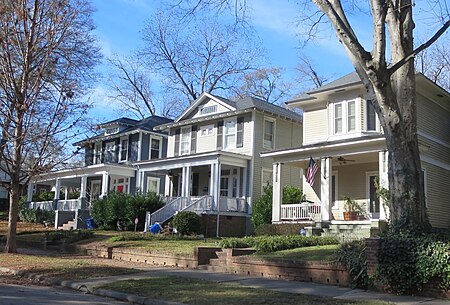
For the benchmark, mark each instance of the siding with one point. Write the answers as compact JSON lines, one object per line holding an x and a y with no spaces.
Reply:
{"x":134,"y":146}
{"x":145,"y":146}
{"x":209,"y":142}
{"x":438,"y":184}
{"x":89,"y":155}
{"x":315,"y":124}
{"x":433,"y":119}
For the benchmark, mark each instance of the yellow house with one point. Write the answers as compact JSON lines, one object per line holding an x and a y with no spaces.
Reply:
{"x":342,"y":134}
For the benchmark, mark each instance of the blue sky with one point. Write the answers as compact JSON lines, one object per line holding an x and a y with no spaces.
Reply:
{"x":119,"y":24}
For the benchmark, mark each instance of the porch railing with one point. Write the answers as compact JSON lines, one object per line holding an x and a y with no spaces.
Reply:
{"x":233,"y":205}
{"x":201,"y":204}
{"x":42,"y":205}
{"x":69,"y":205}
{"x":166,"y":212}
{"x":302,"y":211}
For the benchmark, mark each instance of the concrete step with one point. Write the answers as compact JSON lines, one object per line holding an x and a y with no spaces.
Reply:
{"x":213,"y":268}
{"x":217,"y":262}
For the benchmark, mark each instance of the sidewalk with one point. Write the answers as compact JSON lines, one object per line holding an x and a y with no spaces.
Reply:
{"x":328,"y":291}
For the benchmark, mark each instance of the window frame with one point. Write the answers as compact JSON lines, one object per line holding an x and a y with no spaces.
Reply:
{"x":208,"y":128}
{"x":97,"y":153}
{"x":188,"y":150}
{"x":151,"y":178}
{"x":150,"y":149}
{"x":226,"y":144}
{"x":348,"y":115}
{"x":341,"y":104}
{"x":272,"y":142}
{"x":344,"y":104}
{"x":121,"y":149}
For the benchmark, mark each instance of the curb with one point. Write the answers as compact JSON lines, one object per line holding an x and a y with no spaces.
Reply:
{"x":121,"y":296}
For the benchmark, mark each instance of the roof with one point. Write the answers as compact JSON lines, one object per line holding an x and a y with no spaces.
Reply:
{"x":147,"y":124}
{"x":258,"y":104}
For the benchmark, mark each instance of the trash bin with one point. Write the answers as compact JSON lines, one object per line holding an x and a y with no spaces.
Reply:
{"x":155,"y":228}
{"x":90,"y":223}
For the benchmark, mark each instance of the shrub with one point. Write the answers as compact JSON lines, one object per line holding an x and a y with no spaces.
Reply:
{"x":262,"y":209}
{"x":44,"y":196}
{"x":124,"y":208}
{"x":352,"y":255}
{"x":187,"y":223}
{"x":292,"y":195}
{"x":36,"y":215}
{"x":279,"y":229}
{"x":408,"y":263}
{"x":277,"y":243}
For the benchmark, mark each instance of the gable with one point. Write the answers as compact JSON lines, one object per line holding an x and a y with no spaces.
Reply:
{"x":206,"y":105}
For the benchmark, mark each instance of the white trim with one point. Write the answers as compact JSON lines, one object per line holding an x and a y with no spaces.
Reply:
{"x":189,"y":127}
{"x":227,"y":145}
{"x":121,"y":148}
{"x":139,"y":156}
{"x":344,"y":117}
{"x":97,"y":158}
{"x":274,"y":122}
{"x":435,"y":162}
{"x":208,"y":128}
{"x":152,"y":137}
{"x":433,"y":138}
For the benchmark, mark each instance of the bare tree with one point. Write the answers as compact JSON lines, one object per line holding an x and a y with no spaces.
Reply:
{"x":130,"y":85}
{"x":434,"y":62}
{"x":265,"y":84}
{"x":388,"y":75}
{"x":196,"y":55}
{"x":46,"y":55}
{"x":308,"y":74}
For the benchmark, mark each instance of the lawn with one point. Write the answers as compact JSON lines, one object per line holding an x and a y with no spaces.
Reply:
{"x":198,"y":292}
{"x":315,"y":253}
{"x":21,"y":227}
{"x":62,"y":266}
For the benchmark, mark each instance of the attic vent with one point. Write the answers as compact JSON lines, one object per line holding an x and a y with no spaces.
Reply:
{"x":111,"y":130}
{"x":225,"y":172}
{"x":208,"y":109}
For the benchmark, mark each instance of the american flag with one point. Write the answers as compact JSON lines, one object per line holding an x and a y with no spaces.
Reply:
{"x":311,"y":172}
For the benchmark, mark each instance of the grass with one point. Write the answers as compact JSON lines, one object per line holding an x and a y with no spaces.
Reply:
{"x":315,"y":253}
{"x":198,"y":292}
{"x":62,"y":267}
{"x":21,"y":227}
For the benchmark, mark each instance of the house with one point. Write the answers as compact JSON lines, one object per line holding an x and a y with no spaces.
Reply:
{"x":4,"y":196}
{"x":109,"y":165}
{"x":213,"y":163}
{"x":342,"y":134}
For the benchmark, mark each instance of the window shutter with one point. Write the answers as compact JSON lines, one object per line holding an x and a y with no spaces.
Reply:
{"x":240,"y":132}
{"x":176,"y":148}
{"x":193,"y":139}
{"x":219,"y":134}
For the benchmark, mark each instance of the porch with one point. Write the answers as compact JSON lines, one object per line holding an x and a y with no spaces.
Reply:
{"x":346,"y":171}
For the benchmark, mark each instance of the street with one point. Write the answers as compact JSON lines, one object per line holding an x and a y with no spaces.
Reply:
{"x":36,"y":295}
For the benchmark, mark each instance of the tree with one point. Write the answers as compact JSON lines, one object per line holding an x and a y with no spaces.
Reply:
{"x":196,"y":55}
{"x":388,"y":75}
{"x":308,"y":74}
{"x":265,"y":84}
{"x":47,"y":54}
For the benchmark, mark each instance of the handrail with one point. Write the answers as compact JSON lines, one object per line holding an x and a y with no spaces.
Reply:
{"x":202,"y":204}
{"x":167,"y":211}
{"x":301,"y":211}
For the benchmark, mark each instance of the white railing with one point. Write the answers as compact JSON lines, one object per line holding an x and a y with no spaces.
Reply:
{"x":302,"y":211}
{"x":42,"y":205}
{"x":69,"y":205}
{"x":166,"y":211}
{"x":201,"y":204}
{"x":233,"y":205}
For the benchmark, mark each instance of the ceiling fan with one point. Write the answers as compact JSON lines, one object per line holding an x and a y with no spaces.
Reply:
{"x":344,"y":160}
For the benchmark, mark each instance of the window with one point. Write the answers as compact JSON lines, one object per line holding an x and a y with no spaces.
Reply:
{"x":155,"y":150}
{"x":371,"y":124}
{"x":266,"y":179}
{"x":185,"y":141}
{"x":110,"y":148}
{"x":337,"y":118}
{"x":230,"y":133}
{"x":207,"y":130}
{"x":269,"y":133}
{"x":124,"y":150}
{"x":153,"y":185}
{"x":351,"y":116}
{"x":208,"y":109}
{"x":98,"y":153}
{"x":224,"y":186}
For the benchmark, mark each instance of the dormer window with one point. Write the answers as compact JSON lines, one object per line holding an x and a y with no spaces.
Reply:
{"x":208,"y":109}
{"x":345,"y":119}
{"x":113,"y":130}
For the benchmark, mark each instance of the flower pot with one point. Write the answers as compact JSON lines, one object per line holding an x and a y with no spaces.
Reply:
{"x":350,"y":215}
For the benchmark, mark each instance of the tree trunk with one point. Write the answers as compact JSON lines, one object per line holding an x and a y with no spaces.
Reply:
{"x":11,"y":245}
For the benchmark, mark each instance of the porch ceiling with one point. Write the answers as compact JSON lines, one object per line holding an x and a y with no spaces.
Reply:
{"x":341,"y":160}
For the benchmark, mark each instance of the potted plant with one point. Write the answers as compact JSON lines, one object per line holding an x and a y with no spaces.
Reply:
{"x":351,"y":209}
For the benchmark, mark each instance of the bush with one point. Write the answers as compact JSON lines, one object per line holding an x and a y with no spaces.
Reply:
{"x":44,"y":196}
{"x":262,"y":209}
{"x":187,"y":223}
{"x":36,"y":215}
{"x":124,"y":208}
{"x":352,"y":255}
{"x":292,"y":195}
{"x":408,"y":263}
{"x":279,"y":229}
{"x":277,"y":243}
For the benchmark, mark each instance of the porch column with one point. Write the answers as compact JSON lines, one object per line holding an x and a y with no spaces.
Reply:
{"x":277,"y":198}
{"x":105,"y":179}
{"x":383,"y":181}
{"x":167,"y":185}
{"x":66,"y":193}
{"x":30,"y":191}
{"x":83,"y":187}
{"x":217,"y":196}
{"x":212,"y":180}
{"x":186,"y":185}
{"x":325,"y":188}
{"x":57,"y":188}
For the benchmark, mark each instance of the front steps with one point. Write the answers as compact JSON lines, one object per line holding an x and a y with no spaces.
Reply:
{"x":70,"y":225}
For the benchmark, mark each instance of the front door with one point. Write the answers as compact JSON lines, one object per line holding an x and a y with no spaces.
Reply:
{"x":96,"y":188}
{"x":374,"y":201}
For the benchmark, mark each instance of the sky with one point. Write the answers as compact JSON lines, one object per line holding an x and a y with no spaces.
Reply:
{"x":119,"y":24}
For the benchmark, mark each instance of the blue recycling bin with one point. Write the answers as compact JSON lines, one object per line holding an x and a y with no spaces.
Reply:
{"x":155,"y":228}
{"x":90,"y":223}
